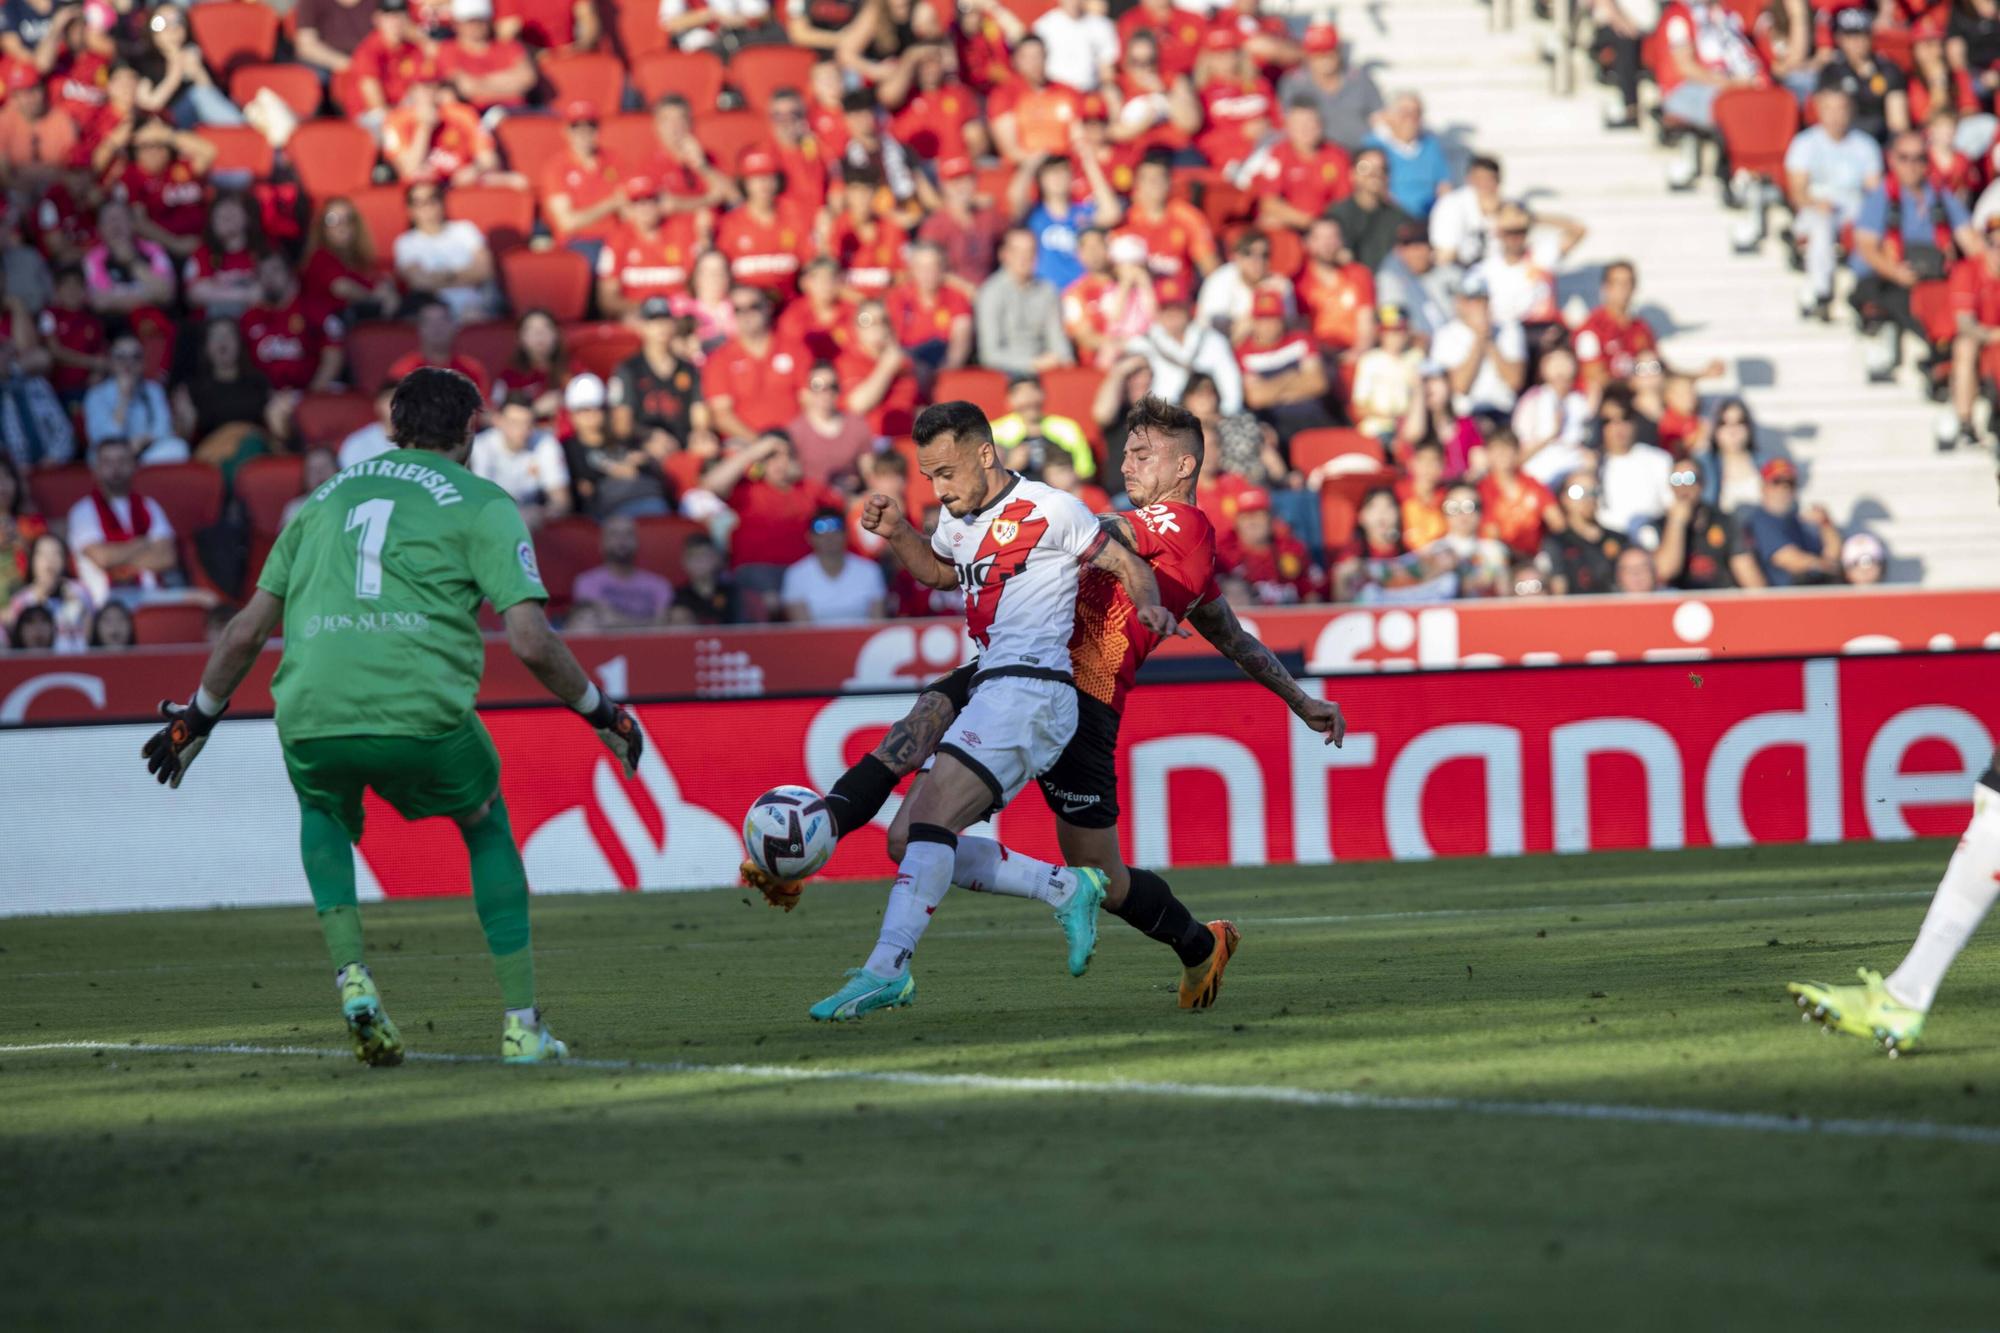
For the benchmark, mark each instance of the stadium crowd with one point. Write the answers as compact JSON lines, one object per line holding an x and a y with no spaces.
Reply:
{"x":708,"y":260}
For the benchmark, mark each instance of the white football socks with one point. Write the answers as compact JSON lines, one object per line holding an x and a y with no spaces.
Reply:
{"x":984,"y":866}
{"x":1967,"y":891}
{"x":921,"y":883}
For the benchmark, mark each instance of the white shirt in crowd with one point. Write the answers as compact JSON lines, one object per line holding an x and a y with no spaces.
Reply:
{"x":1078,"y":48}
{"x":1521,"y":290}
{"x":1553,"y":432}
{"x":1225,"y":298}
{"x":1635,"y":485}
{"x":1200,"y":350}
{"x":85,"y":532}
{"x":1460,"y":228}
{"x":371,"y":441}
{"x":527,"y":474}
{"x":1838,"y":171}
{"x":1453,"y":344}
{"x":851,"y":595}
{"x":451,"y":250}
{"x":696,"y":39}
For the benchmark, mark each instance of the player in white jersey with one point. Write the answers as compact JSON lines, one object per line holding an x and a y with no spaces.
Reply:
{"x":1016,"y":549}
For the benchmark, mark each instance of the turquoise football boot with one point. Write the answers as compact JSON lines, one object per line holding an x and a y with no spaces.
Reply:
{"x":864,"y":993}
{"x":1078,"y":917}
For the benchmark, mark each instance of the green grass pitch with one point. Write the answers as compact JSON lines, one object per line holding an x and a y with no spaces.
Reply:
{"x":209,"y":1190}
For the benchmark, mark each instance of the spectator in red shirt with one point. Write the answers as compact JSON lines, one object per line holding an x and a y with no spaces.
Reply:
{"x":868,"y":246}
{"x":753,"y":380}
{"x":1264,"y":553}
{"x":77,"y":74}
{"x":73,"y":336}
{"x":773,"y":502}
{"x":821,"y":320}
{"x":1975,"y":308}
{"x":1180,"y":245}
{"x":582,"y":190}
{"x":645,"y":256}
{"x":967,"y":227}
{"x":880,"y":379}
{"x":166,"y":184}
{"x":341,"y":269}
{"x":1157,"y":107}
{"x":1031,"y":117}
{"x":1612,"y":341}
{"x":768,"y":239}
{"x":482,"y":69}
{"x":800,"y":153}
{"x":220,"y":278}
{"x":1518,"y":509}
{"x":1336,"y":294}
{"x":550,"y":25}
{"x":430,"y":137}
{"x":436,"y":331}
{"x":539,"y":367}
{"x":931,"y":317}
{"x":1303,"y":176}
{"x":688,"y":182}
{"x":1235,"y":98}
{"x":388,"y":60}
{"x":295,"y":343}
{"x":1176,"y":32}
{"x":934,"y":115}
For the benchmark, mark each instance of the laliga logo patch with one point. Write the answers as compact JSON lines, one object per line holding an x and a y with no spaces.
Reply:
{"x":526,"y":552}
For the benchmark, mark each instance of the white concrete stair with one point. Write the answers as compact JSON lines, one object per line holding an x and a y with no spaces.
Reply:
{"x":1866,"y":451}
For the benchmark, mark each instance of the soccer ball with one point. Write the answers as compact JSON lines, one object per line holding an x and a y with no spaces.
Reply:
{"x":788,"y":832}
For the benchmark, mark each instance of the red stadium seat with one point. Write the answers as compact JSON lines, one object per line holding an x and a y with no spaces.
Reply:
{"x":266,"y":485}
{"x":529,"y":141}
{"x":1071,"y":391}
{"x":1345,"y":450}
{"x":1340,"y":499}
{"x":507,"y":217}
{"x":638,"y":31}
{"x":695,"y":75}
{"x":599,"y":347}
{"x":231,"y":35}
{"x":491,"y":343}
{"x":558,"y":281}
{"x":1288,"y":253}
{"x":1223,"y":204}
{"x":660,"y":543}
{"x":332,"y":157}
{"x":191,"y":493}
{"x":628,"y":139}
{"x":170,"y":622}
{"x":329,"y":418}
{"x":725,"y":134}
{"x":585,"y":76}
{"x":1892,"y":45}
{"x":384,"y":215}
{"x":1030,"y":10}
{"x":1757,"y":125}
{"x":372,"y":348}
{"x":296,"y":86}
{"x":759,"y":71}
{"x":56,"y":489}
{"x":238,"y":148}
{"x":564,"y":549}
{"x":1930,"y":303}
{"x":983,"y":388}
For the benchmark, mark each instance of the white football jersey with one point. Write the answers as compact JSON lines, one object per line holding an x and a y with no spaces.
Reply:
{"x":1018,"y":562}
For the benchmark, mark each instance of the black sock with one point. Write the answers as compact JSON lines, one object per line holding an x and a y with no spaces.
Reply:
{"x":860,"y":794}
{"x":1151,"y":909}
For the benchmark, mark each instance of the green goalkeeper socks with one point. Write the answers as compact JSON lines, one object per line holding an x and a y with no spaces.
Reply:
{"x":329,"y":865}
{"x":500,"y":893}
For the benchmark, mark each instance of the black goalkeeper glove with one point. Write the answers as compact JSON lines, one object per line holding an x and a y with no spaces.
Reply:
{"x":171,"y":750}
{"x":619,"y":731}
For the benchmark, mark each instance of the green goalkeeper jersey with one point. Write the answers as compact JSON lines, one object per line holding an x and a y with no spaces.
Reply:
{"x":382,"y":571}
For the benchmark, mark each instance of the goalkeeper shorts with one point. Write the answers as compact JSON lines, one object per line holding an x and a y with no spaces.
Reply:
{"x":422,"y":777}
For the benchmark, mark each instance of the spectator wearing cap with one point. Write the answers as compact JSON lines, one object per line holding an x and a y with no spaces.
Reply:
{"x":1486,"y":361}
{"x":392,"y":57}
{"x":1082,"y":46}
{"x":1830,"y":167}
{"x":833,"y":586}
{"x":1386,"y":379}
{"x":430,"y":137}
{"x":35,"y":430}
{"x":1228,"y":293}
{"x":1461,"y":226}
{"x":649,"y":256}
{"x":550,"y":25}
{"x":1369,"y":219}
{"x":37,"y":140}
{"x":767,"y":239}
{"x":1284,"y":380}
{"x":1018,"y":314}
{"x":445,"y":259}
{"x":618,"y":594}
{"x":821,"y":319}
{"x":1975,"y":306}
{"x":122,"y":539}
{"x":1879,"y":89}
{"x":611,"y":474}
{"x":1863,"y":560}
{"x":654,"y":393}
{"x":126,"y":405}
{"x":1552,"y":420}
{"x":1412,"y":280}
{"x":1237,"y":106}
{"x":930,"y":315}
{"x":1582,"y":555}
{"x":487,"y":72}
{"x":1707,"y":52}
{"x":1516,"y":509}
{"x":966,"y":227}
{"x":867,"y":246}
{"x":830,"y":440}
{"x":1698,"y":549}
{"x":1178,"y":348}
{"x":1419,"y":170}
{"x":1791,"y":546}
{"x":1300,"y":176}
{"x":1336,"y":292}
{"x":753,"y":379}
{"x":166,"y":185}
{"x":1030,"y":116}
{"x":1935,"y":82}
{"x":437,"y":330}
{"x":1029,"y":436}
{"x":1346,"y":100}
{"x":1180,"y":245}
{"x":1056,"y":217}
{"x":522,"y":459}
{"x":1908,"y":231}
{"x":329,"y":33}
{"x":880,"y":380}
{"x":1632,"y":475}
{"x":1264,"y":553}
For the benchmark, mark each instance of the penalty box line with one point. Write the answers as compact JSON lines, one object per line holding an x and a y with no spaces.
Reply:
{"x":1599,"y":1112}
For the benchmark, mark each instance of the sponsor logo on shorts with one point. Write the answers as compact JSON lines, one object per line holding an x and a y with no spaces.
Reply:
{"x":1072,"y":802}
{"x":970,"y":738}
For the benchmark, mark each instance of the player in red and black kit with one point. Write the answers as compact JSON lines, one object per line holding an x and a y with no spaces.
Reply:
{"x":1162,"y":465}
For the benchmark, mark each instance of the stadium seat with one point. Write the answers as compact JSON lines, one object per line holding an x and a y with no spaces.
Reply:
{"x":191,"y":495}
{"x":599,"y":347}
{"x":1223,"y":204}
{"x":56,"y":489}
{"x":238,"y":148}
{"x":695,"y":75}
{"x":983,"y":388}
{"x":170,"y":622}
{"x":1336,"y":447}
{"x":629,"y":139}
{"x":1071,"y":391}
{"x":638,"y":31}
{"x":332,"y":158}
{"x":759,"y":71}
{"x":231,"y":35}
{"x":1030,"y":10}
{"x":564,"y":549}
{"x":384,"y":215}
{"x":329,"y":418}
{"x":1892,"y":46}
{"x":585,"y":76}
{"x":557,"y":281}
{"x":372,"y":348}
{"x":266,"y":485}
{"x":1757,"y":125}
{"x":529,"y":141}
{"x":296,"y":86}
{"x":725,"y":134}
{"x":1340,"y":500}
{"x":660,"y":543}
{"x":1930,"y":305}
{"x":1288,"y":253}
{"x":507,"y":217}
{"x":490,"y":343}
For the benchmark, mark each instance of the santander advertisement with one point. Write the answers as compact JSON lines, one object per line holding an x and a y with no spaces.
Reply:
{"x":1450,"y":763}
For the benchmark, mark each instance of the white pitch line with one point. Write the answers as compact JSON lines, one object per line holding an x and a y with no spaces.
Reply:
{"x":1679,"y":1117}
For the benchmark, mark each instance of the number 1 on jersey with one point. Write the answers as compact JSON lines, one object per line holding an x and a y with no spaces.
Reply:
{"x":372,"y":517}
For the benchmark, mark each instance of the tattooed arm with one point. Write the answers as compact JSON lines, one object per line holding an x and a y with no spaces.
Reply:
{"x":1217,"y":623}
{"x":912,"y":739}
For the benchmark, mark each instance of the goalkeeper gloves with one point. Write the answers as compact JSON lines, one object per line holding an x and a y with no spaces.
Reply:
{"x":619,"y":731}
{"x":171,"y":750}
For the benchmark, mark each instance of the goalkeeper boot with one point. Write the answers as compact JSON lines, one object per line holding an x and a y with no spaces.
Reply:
{"x":777,"y":892}
{"x":1202,"y":983}
{"x":864,"y":993}
{"x":1078,"y":917}
{"x":1867,"y":1010}
{"x":376,"y":1041}
{"x":525,"y":1043}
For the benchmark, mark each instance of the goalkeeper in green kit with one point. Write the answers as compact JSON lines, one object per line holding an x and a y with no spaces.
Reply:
{"x":378,"y":581}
